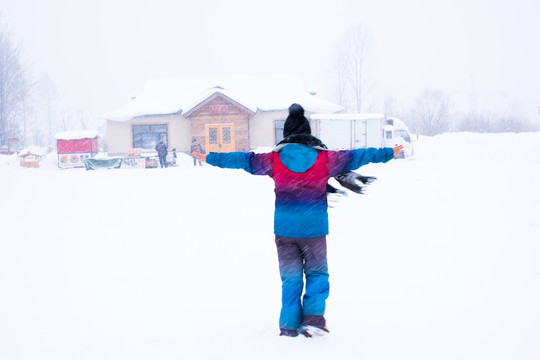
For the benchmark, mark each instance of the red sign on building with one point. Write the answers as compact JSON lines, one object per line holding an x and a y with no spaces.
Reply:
{"x":219,"y":109}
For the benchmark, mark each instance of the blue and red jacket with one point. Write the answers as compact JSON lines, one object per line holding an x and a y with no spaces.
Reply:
{"x":300,"y":174}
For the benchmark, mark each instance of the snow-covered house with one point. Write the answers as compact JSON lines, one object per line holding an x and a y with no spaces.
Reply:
{"x":223,"y":113}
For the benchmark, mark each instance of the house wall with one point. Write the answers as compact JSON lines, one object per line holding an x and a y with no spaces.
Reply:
{"x":119,"y":137}
{"x":218,"y":109}
{"x":250,"y":130}
{"x":262,"y":129}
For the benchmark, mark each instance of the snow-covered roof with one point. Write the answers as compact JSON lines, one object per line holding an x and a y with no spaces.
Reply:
{"x":33,"y":150}
{"x":247,"y":103}
{"x":75,"y":135}
{"x":164,"y":96}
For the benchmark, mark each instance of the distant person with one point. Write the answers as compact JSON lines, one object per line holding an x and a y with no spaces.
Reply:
{"x":195,"y":148}
{"x":300,"y":172}
{"x":161,"y":149}
{"x":174,"y":156}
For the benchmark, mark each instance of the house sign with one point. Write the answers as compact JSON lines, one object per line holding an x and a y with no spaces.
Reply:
{"x":219,"y":109}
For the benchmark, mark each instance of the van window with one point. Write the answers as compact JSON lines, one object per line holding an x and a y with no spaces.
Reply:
{"x":404,"y":135}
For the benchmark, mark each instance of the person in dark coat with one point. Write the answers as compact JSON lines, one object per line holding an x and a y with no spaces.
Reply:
{"x":301,"y":171}
{"x":161,"y":149}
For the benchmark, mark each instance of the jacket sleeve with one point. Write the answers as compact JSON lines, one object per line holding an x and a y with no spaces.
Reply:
{"x":346,"y":160}
{"x":256,"y":164}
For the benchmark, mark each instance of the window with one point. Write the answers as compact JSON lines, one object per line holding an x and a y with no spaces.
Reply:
{"x":226,"y":135}
{"x":388,"y":134}
{"x":403,"y":134}
{"x":279,"y":126}
{"x":147,"y":136}
{"x":213,"y":135}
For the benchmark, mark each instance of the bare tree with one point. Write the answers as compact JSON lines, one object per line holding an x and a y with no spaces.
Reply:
{"x":83,"y":120}
{"x":13,"y":88}
{"x":353,"y":67}
{"x":48,"y":98}
{"x":64,"y":122}
{"x":340,"y":79}
{"x":431,"y":113}
{"x":393,"y":107}
{"x":491,"y":122}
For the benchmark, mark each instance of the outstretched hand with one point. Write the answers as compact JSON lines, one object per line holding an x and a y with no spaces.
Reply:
{"x":201,"y":157}
{"x":398,"y":150}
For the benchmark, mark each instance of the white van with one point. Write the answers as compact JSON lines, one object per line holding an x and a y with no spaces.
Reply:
{"x":397,"y":133}
{"x":361,"y":130}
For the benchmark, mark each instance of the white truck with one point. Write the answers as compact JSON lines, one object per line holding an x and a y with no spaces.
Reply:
{"x":361,"y":130}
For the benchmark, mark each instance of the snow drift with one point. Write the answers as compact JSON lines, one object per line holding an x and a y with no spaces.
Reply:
{"x":440,"y":260}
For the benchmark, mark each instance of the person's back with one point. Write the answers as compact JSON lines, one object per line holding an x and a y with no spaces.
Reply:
{"x":300,"y":177}
{"x":195,"y":148}
{"x":161,"y":148}
{"x":300,"y":168}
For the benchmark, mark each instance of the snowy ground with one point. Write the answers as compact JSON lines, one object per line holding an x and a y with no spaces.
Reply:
{"x":440,"y":260}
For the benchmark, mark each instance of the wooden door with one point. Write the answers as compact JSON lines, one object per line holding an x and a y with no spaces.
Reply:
{"x":219,"y":138}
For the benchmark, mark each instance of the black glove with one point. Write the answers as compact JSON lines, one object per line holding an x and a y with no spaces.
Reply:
{"x":351,"y":180}
{"x":332,"y":190}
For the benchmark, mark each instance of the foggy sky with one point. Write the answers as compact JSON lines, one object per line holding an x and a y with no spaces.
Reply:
{"x":100,"y":52}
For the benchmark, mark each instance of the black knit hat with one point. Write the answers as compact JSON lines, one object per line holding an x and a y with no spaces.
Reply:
{"x":296,"y":122}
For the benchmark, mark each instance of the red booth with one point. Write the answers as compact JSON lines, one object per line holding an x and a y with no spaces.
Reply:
{"x":75,"y":147}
